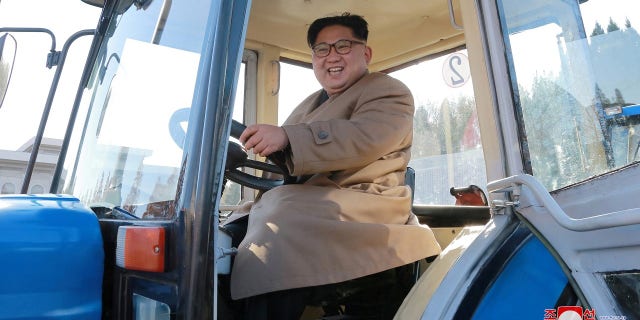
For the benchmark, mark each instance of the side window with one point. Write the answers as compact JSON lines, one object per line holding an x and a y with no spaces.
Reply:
{"x":446,"y":151}
{"x":296,"y":83}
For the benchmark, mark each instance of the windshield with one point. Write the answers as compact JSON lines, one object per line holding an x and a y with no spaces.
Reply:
{"x":575,"y":73}
{"x":136,"y":108}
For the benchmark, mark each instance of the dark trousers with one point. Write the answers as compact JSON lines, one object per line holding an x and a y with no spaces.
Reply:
{"x":279,"y":305}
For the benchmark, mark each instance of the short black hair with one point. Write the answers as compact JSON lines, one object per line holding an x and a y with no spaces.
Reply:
{"x":356,"y":23}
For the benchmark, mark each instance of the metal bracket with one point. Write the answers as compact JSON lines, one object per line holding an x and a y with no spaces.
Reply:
{"x":53,"y":58}
{"x":498,"y":205}
{"x":223,"y":252}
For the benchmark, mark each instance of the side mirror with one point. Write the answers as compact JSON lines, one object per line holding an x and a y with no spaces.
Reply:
{"x":8,"y":48}
{"x":97,"y":3}
{"x":122,"y":6}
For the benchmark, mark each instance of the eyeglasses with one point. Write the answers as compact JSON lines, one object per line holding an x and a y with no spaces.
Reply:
{"x":342,"y":46}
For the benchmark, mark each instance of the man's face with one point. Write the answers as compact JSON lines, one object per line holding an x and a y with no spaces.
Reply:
{"x":337,"y":72}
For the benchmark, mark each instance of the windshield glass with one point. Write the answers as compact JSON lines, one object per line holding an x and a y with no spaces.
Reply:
{"x":624,"y":287}
{"x":136,"y":108}
{"x":575,"y":73}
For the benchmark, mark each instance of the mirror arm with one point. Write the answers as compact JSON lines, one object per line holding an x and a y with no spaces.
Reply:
{"x":53,"y":55}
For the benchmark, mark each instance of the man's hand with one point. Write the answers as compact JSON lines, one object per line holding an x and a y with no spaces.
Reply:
{"x":264,"y":139}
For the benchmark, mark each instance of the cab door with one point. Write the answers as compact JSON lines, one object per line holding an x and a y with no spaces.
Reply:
{"x":148,"y":148}
{"x":572,"y":86}
{"x":561,"y":89}
{"x":574,"y":99}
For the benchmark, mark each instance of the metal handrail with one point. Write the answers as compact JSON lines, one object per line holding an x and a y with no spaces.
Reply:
{"x":452,"y":17}
{"x":602,"y":221}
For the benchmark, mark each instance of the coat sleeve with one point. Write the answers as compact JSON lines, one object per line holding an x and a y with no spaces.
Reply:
{"x":380,"y":124}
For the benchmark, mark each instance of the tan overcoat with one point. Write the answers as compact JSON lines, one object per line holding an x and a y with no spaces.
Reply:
{"x":353,"y":216}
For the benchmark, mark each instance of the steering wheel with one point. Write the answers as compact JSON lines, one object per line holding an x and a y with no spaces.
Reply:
{"x":237,"y":159}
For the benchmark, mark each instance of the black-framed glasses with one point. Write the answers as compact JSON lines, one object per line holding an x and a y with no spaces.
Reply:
{"x":342,"y":46}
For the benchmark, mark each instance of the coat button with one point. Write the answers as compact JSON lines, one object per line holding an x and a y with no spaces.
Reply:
{"x":323,"y":135}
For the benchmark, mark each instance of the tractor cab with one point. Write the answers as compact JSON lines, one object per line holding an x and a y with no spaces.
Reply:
{"x":524,"y":157}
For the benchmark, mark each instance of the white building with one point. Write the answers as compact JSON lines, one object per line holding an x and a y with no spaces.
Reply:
{"x":13,"y":165}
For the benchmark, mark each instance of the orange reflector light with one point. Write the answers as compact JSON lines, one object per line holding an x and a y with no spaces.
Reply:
{"x":140,"y":248}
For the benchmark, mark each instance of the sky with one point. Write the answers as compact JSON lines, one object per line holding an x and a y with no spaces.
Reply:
{"x":20,"y":114}
{"x":546,"y":59}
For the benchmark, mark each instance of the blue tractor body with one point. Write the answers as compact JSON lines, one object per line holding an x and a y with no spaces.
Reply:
{"x":51,"y":258}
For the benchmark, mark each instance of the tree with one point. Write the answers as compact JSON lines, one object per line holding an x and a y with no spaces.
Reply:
{"x":425,"y":132}
{"x":601,"y":102}
{"x":597,"y":30}
{"x":601,"y":98}
{"x":619,"y":98}
{"x":440,"y":129}
{"x":612,"y":26}
{"x":559,"y":148}
{"x":630,"y":30}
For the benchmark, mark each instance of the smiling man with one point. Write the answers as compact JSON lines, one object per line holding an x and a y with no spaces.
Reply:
{"x":350,"y":214}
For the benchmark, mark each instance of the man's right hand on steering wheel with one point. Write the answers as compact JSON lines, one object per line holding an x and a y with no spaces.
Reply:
{"x":264,"y":139}
{"x":237,"y":159}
